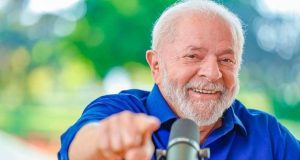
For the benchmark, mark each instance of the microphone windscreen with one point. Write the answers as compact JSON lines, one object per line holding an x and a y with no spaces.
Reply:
{"x":185,"y":128}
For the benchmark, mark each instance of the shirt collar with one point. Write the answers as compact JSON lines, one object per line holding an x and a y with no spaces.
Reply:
{"x":158,"y":107}
{"x":231,"y":118}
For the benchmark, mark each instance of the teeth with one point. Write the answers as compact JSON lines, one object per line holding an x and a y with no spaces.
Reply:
{"x":204,"y":91}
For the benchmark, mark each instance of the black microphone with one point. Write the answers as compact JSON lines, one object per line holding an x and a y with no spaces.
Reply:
{"x":183,"y":140}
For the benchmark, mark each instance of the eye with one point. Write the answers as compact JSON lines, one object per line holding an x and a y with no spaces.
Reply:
{"x":227,"y":61}
{"x":191,"y":56}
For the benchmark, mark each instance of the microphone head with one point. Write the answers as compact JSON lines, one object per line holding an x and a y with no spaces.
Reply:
{"x":185,"y":128}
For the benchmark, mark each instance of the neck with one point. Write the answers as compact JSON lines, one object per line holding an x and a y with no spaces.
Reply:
{"x":206,"y":130}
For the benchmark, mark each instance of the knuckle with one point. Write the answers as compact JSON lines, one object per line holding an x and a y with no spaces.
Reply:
{"x":113,"y":120}
{"x":126,"y":114}
{"x":141,"y":115}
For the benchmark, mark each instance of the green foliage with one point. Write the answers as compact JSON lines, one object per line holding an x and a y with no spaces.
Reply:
{"x":49,"y":122}
{"x":39,"y":67}
{"x":113,"y":33}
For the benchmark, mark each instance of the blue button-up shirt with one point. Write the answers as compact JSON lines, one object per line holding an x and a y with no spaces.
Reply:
{"x":244,"y":134}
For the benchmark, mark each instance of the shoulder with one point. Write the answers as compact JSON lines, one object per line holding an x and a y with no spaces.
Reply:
{"x":260,"y":122}
{"x":124,"y":97}
{"x":257,"y":121}
{"x":132,"y":100}
{"x":248,"y":115}
{"x":265,"y":128}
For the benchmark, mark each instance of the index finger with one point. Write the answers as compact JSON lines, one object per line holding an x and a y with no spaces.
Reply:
{"x":146,"y":124}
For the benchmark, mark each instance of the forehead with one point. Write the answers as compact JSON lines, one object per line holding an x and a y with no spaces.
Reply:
{"x":201,"y":30}
{"x":202,"y":25}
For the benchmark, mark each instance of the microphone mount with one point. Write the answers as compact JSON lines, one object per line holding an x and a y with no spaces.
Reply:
{"x":204,"y":153}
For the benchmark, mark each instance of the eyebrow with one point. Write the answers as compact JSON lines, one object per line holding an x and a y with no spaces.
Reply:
{"x":195,"y":48}
{"x":227,"y":51}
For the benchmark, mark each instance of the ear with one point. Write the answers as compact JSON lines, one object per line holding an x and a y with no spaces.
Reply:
{"x":152,"y":59}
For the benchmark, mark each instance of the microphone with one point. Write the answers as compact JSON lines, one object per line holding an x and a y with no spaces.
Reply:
{"x":183,"y":142}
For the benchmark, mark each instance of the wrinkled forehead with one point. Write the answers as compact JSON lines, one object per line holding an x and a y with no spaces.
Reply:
{"x":195,"y":18}
{"x":189,"y":24}
{"x":181,"y":22}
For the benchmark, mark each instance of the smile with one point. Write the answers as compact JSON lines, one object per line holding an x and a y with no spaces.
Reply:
{"x":203,"y":91}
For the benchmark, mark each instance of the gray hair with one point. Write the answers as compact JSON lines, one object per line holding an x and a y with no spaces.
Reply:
{"x":164,"y":26}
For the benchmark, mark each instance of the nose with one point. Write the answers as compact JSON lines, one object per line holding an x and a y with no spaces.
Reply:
{"x":209,"y":69}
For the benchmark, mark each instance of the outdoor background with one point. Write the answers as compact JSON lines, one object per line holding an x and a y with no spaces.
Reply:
{"x":56,"y":56}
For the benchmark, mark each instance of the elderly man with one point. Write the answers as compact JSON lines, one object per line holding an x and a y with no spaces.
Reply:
{"x":195,"y":58}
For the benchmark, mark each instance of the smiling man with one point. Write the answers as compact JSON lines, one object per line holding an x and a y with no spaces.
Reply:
{"x":195,"y":58}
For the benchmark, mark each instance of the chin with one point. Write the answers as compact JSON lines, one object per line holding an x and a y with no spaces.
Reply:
{"x":204,"y":113}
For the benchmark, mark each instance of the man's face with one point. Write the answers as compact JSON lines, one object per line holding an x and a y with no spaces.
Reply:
{"x":198,"y":70}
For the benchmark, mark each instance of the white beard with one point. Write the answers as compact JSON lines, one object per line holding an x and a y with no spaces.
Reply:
{"x":202,"y":112}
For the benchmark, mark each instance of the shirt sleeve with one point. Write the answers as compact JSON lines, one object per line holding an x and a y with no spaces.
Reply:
{"x":99,"y":109}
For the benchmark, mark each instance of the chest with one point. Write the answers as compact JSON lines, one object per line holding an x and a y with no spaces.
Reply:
{"x":231,"y":146}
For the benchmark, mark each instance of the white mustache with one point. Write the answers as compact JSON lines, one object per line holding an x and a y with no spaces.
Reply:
{"x":204,"y":85}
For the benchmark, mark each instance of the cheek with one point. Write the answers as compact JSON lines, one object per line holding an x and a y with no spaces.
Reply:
{"x":230,"y":80}
{"x":182,"y":75}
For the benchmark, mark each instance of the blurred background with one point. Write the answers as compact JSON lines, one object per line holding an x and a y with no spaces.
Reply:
{"x":56,"y":56}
